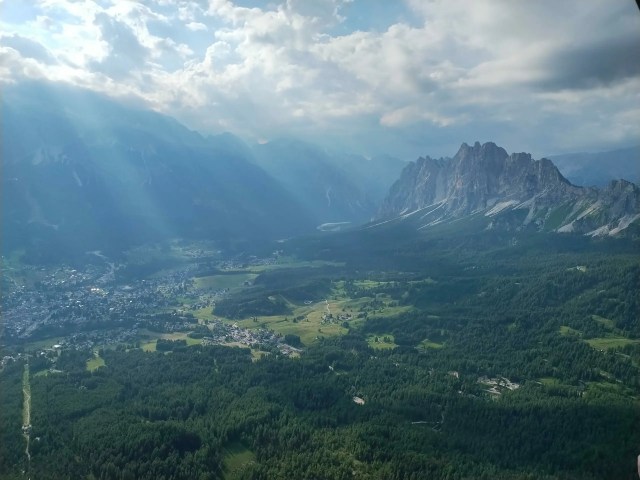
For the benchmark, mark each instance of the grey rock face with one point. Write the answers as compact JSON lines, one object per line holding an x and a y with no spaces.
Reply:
{"x":486,"y":179}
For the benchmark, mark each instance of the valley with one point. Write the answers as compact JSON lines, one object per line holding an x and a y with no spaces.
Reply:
{"x":440,"y":338}
{"x":319,"y":240}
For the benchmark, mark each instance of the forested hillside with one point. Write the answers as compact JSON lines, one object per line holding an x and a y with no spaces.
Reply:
{"x":474,"y":357}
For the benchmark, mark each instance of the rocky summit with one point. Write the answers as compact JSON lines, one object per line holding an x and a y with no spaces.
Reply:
{"x":508,"y":190}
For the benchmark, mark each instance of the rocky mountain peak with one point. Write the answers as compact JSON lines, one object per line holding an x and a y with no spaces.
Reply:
{"x":484,"y":178}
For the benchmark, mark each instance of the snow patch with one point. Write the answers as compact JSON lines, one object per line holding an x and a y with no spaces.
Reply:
{"x":624,"y":222}
{"x":599,"y":232}
{"x":568,"y":228}
{"x":499,"y":207}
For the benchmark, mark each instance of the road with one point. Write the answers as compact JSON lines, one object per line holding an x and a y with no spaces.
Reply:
{"x":26,"y":411}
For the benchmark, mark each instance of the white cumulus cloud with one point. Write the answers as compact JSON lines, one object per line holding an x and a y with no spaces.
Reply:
{"x":542,"y":76}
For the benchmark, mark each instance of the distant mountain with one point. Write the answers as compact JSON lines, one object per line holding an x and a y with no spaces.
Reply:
{"x":507,"y":191}
{"x":83,"y":172}
{"x":334,"y":187}
{"x":589,"y":169}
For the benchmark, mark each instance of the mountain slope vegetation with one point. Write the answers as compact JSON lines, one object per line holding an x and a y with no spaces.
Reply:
{"x":83,"y":172}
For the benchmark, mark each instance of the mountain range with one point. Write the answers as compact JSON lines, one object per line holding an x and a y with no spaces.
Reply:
{"x":599,"y":168}
{"x":84,"y":172}
{"x":510,"y":191}
{"x":333,"y":187}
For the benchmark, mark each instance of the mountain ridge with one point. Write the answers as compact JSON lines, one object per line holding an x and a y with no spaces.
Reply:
{"x":599,"y":168}
{"x":486,"y":179}
{"x":82,"y":172}
{"x":335,"y":187}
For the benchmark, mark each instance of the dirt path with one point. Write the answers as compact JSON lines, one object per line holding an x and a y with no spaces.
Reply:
{"x":26,"y":410}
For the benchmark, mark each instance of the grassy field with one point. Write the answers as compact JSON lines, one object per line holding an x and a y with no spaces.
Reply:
{"x":95,"y":363}
{"x":46,"y":373}
{"x":601,"y":343}
{"x":309,"y":324}
{"x":549,"y":381}
{"x":426,"y":343}
{"x":565,"y":330}
{"x":308,"y":330}
{"x":181,"y":336}
{"x":381,"y":344}
{"x":389,"y":311}
{"x":203,"y":314}
{"x":606,"y":343}
{"x":258,"y":354}
{"x":368,"y":284}
{"x":236,"y":457}
{"x":291,"y":262}
{"x":150,"y":339}
{"x":217,"y":282}
{"x":597,"y":388}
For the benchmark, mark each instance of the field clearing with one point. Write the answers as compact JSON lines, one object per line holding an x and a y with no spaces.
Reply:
{"x":352,"y":305}
{"x":236,"y":458}
{"x":218,"y":282}
{"x":605,"y":322}
{"x":203,"y":313}
{"x":95,"y":363}
{"x":568,"y":331}
{"x":388,"y":311}
{"x":598,"y":388}
{"x":181,"y":336}
{"x":308,"y":331}
{"x":606,"y":343}
{"x":149,"y":339}
{"x":258,"y":354}
{"x":185,"y":301}
{"x":309,"y":325}
{"x":549,"y":381}
{"x":46,"y":373}
{"x":367,"y":284}
{"x":291,"y":262}
{"x":381,"y":344}
{"x":426,"y":343}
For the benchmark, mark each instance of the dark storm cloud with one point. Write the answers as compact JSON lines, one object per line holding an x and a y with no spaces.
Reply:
{"x":28,"y":48}
{"x":592,"y":65}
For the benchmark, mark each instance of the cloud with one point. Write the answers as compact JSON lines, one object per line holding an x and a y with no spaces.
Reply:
{"x":28,"y":48}
{"x":125,"y":52}
{"x":514,"y":72}
{"x":592,"y":65}
{"x":195,"y":26}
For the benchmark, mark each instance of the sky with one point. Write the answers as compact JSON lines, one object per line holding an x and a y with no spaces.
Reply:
{"x":407,"y":78}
